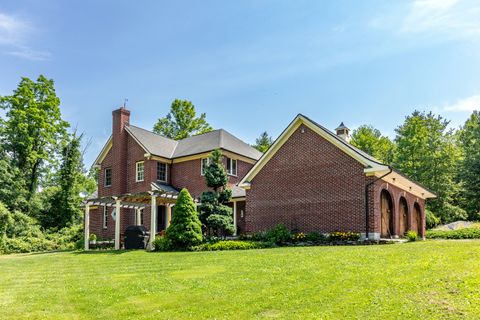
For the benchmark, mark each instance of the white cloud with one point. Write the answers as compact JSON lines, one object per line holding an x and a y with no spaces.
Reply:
{"x":468,"y":104}
{"x":14,"y":34}
{"x":448,"y":17}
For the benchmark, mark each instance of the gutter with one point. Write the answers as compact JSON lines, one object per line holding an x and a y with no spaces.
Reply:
{"x":367,"y":209}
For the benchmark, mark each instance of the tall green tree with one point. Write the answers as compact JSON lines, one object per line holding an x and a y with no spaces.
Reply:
{"x":263,"y":142}
{"x":12,"y":191}
{"x":370,"y":140}
{"x":71,"y":179}
{"x":185,"y":230}
{"x":427,"y":152}
{"x":214,"y":213}
{"x":182,"y":121}
{"x":469,"y":139}
{"x":32,"y":129}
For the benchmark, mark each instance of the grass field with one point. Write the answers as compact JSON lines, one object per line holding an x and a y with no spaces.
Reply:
{"x":422,"y":280}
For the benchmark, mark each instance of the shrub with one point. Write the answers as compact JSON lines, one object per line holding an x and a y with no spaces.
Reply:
{"x":412,"y":235}
{"x":260,"y":236}
{"x":93,"y":237}
{"x":279,"y":235}
{"x":162,"y":243}
{"x":431,"y":219}
{"x":185,"y":229}
{"x":231,"y":245}
{"x":466,"y":233}
{"x":315,"y":237}
{"x":343,"y":236}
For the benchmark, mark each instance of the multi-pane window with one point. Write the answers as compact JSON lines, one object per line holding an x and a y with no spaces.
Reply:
{"x":140,"y":171}
{"x":105,"y":217}
{"x":205,"y":163}
{"x":231,"y":166}
{"x":161,"y":171}
{"x":108,"y":177}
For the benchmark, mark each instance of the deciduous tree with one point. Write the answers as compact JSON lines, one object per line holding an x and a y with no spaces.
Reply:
{"x":182,"y":121}
{"x":370,"y":140}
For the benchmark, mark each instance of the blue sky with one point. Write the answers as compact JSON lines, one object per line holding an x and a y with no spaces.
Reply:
{"x":250,"y":65}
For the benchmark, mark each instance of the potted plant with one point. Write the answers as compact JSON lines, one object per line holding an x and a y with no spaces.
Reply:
{"x":93,"y":238}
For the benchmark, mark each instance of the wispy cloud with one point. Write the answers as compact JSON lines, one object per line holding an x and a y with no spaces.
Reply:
{"x":468,"y":104}
{"x":14,"y":35}
{"x":439,"y":19}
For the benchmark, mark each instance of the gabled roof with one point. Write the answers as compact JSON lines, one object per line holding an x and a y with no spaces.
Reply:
{"x":371,"y":165}
{"x":161,"y":146}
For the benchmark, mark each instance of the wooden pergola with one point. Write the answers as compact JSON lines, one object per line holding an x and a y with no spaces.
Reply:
{"x":139,"y":202}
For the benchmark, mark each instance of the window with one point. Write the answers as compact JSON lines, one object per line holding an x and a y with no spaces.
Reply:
{"x":205,"y":163}
{"x":162,"y":171}
{"x":140,"y":171}
{"x":108,"y":177}
{"x":105,"y":217}
{"x":231,"y":166}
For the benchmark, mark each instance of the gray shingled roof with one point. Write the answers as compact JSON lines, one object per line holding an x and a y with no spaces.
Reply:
{"x":168,"y":148}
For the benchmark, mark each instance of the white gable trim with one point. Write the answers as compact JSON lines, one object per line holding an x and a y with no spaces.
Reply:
{"x":106,"y":148}
{"x":287,"y":133}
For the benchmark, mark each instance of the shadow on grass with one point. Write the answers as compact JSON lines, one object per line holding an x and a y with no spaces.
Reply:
{"x":107,"y":252}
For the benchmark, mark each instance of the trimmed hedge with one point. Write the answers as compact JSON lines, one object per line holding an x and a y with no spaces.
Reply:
{"x":231,"y":245}
{"x":466,"y":233}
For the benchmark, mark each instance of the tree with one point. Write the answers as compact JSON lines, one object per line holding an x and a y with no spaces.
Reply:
{"x":370,"y":140}
{"x":33,"y":129}
{"x":426,"y":151}
{"x":12,"y":191}
{"x":263,"y":142}
{"x":185,"y":229}
{"x":64,"y":201}
{"x":469,"y":140}
{"x":181,"y":122}
{"x":214,"y":214}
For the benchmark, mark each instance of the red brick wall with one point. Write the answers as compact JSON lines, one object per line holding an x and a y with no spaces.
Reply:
{"x":308,"y":185}
{"x":187,"y":174}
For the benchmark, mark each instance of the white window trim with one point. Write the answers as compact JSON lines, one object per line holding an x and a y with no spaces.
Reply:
{"x":105,"y":217}
{"x":105,"y":177}
{"x":236,"y":167}
{"x":136,"y":171}
{"x":166,"y":171}
{"x":202,"y":173}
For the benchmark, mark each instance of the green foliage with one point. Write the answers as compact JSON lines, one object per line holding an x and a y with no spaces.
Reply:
{"x":162,"y":243}
{"x":263,"y":142}
{"x":465,"y":233}
{"x":343,"y":236}
{"x":370,"y":140}
{"x":315,"y":237}
{"x":426,"y":152}
{"x":279,"y":235}
{"x":185,"y":229}
{"x":412,"y":235}
{"x":182,"y":121}
{"x":469,"y":140}
{"x":230,"y":245}
{"x":93,"y":237}
{"x":32,"y":130}
{"x":431,"y":219}
{"x":450,"y":213}
{"x":215,"y":215}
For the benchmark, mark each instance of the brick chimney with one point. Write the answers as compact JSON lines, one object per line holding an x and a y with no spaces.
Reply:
{"x":120,"y":119}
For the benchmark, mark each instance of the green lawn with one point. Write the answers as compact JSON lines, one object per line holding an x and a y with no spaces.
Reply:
{"x":422,"y":280}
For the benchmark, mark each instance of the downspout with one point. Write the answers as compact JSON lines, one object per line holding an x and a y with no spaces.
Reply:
{"x":367,"y":209}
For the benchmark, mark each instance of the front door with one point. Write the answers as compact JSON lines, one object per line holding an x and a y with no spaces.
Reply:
{"x":161,"y":221}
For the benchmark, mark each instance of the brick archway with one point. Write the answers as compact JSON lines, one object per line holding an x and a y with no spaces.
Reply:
{"x":387,"y":225}
{"x":417,"y":222}
{"x":402,"y":216}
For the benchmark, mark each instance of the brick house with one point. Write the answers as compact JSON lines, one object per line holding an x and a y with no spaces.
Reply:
{"x":314,"y":180}
{"x":310,"y":180}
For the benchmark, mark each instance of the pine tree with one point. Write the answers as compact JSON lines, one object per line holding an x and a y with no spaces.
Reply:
{"x":263,"y":142}
{"x":185,"y":229}
{"x":214,"y":213}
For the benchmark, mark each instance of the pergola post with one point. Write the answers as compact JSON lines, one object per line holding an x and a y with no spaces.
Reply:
{"x":153,"y":221}
{"x":234,"y":218}
{"x":117,"y":224}
{"x":169,"y":216}
{"x":87,"y":227}
{"x":138,"y":218}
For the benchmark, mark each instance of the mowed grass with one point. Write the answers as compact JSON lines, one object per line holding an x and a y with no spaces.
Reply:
{"x":422,"y":280}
